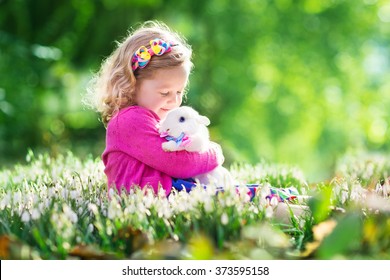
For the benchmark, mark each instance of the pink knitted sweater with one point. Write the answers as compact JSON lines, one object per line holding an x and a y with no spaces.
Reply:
{"x":133,"y":154}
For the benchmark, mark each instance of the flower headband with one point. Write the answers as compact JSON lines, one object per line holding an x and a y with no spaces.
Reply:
{"x":143,"y":55}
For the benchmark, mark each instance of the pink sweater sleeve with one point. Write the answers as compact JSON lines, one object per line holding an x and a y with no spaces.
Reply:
{"x":134,"y":132}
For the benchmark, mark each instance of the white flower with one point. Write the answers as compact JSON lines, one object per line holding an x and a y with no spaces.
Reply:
{"x":148,"y":199}
{"x":208,"y":205}
{"x":224,"y":219}
{"x":51,"y":192}
{"x":253,"y":209}
{"x":143,"y":209}
{"x":161,"y":193}
{"x":114,"y":209}
{"x":90,"y":228}
{"x":35,"y":198}
{"x":130,"y":209}
{"x":357,"y":193}
{"x":70,"y":214}
{"x":164,"y":211}
{"x":65,"y":193}
{"x":93,"y":208}
{"x":342,"y":192}
{"x":111,"y":192}
{"x":5,"y":201}
{"x":35,"y":214}
{"x":41,"y":205}
{"x":26,"y":217}
{"x":17,"y":197}
{"x":74,"y":194}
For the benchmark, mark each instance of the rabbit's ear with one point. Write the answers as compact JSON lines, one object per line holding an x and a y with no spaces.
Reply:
{"x":203,"y":120}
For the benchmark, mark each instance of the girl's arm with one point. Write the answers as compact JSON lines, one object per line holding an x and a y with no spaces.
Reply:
{"x":136,"y":134}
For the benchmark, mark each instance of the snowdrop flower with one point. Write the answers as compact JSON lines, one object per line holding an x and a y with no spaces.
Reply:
{"x":180,"y":202}
{"x":114,"y":209}
{"x":43,"y":204}
{"x":243,"y":194}
{"x":341,"y":191}
{"x":90,"y":228}
{"x":62,"y":224}
{"x":33,"y":198}
{"x":161,"y":193}
{"x":148,"y":199}
{"x":199,"y":195}
{"x":65,"y":193}
{"x":227,"y":200}
{"x":357,"y":193}
{"x":130,"y":209}
{"x":143,"y":209}
{"x":93,"y":208}
{"x":35,"y":214}
{"x":208,"y":206}
{"x":253,"y":209}
{"x":74,"y":194}
{"x":224,"y":219}
{"x":5,"y":201}
{"x":111,"y":192}
{"x":164,"y":211}
{"x":70,"y":214}
{"x":78,"y":240}
{"x":51,"y":192}
{"x":25,"y":217}
{"x":17,"y":197}
{"x":302,"y":222}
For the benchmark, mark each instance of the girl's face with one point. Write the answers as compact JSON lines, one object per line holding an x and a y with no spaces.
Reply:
{"x":164,"y":91}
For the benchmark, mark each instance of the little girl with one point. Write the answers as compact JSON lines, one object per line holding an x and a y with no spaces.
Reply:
{"x":137,"y":85}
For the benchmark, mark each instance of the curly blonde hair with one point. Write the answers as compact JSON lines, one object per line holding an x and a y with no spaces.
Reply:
{"x":113,"y":87}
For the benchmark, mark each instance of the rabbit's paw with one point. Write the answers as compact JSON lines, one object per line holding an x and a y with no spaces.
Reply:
{"x":169,"y":146}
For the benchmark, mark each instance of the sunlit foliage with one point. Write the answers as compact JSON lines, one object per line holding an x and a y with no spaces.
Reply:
{"x":297,"y":82}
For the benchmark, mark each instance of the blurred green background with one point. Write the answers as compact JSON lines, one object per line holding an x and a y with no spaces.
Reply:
{"x":299,"y":82}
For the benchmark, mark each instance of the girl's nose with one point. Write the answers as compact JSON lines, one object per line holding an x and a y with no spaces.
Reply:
{"x":175,"y":98}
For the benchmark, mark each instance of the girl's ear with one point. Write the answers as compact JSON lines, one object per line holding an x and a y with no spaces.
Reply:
{"x":203,"y":120}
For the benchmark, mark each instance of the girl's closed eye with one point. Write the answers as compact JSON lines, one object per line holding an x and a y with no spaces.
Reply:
{"x":164,"y":93}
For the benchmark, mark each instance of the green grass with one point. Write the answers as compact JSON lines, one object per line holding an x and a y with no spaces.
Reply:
{"x":57,"y":208}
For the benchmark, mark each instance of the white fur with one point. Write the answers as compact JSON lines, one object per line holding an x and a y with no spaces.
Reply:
{"x":195,"y":127}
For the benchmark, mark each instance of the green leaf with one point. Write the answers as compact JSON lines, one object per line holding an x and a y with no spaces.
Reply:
{"x":319,"y":204}
{"x":345,"y":237}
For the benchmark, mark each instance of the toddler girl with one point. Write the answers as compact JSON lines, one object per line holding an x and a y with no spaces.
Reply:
{"x":137,"y":85}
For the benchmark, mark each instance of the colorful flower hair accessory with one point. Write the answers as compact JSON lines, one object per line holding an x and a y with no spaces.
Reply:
{"x":143,"y":55}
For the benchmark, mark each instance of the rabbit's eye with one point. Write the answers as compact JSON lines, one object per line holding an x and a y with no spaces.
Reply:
{"x":182,"y":119}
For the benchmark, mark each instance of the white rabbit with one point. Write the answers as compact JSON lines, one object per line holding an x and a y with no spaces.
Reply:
{"x":185,"y":129}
